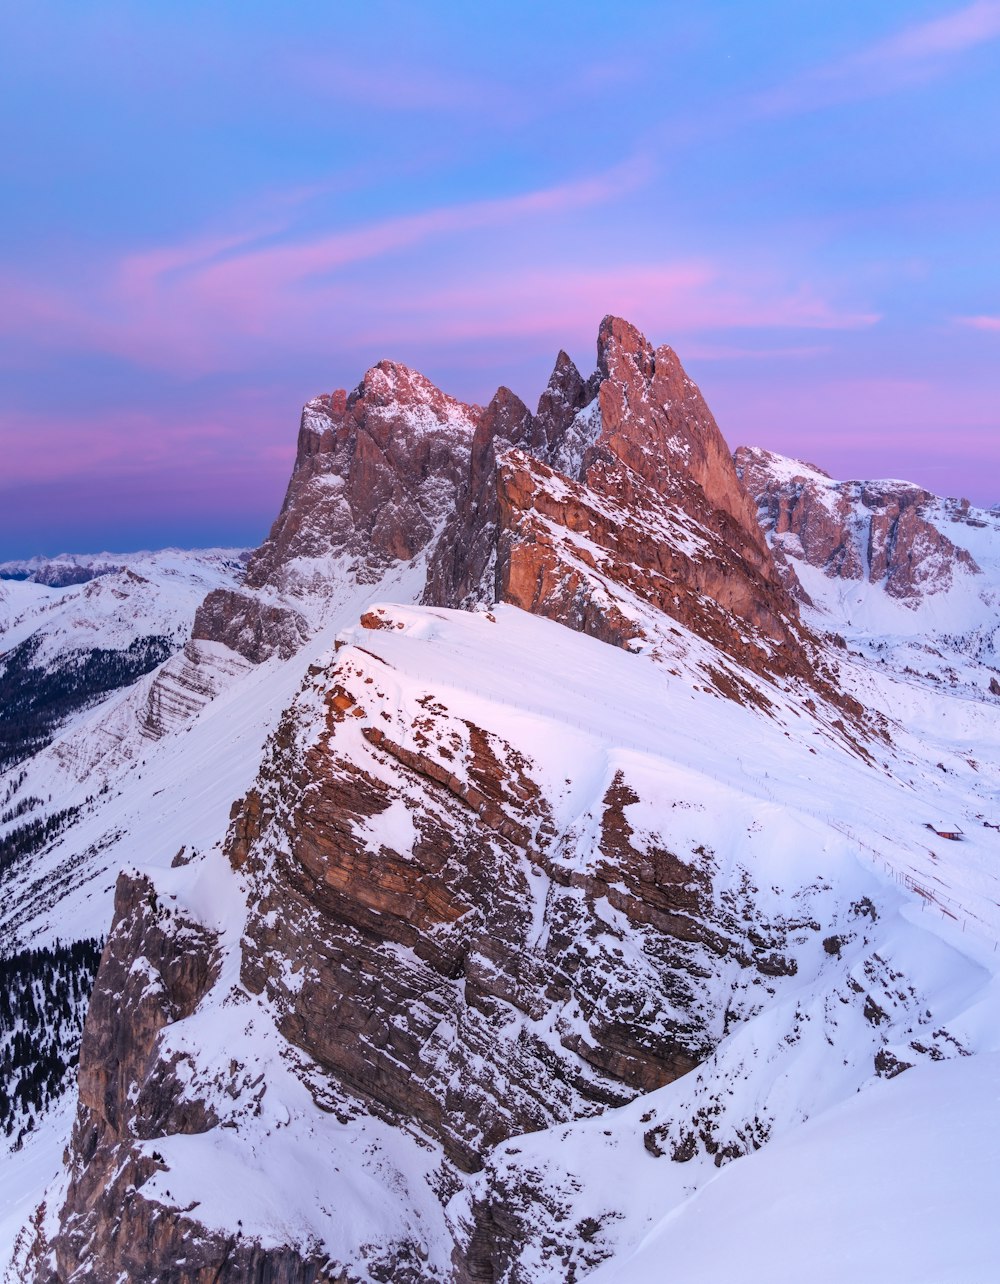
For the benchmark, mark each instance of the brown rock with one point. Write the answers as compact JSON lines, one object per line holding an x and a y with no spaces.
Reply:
{"x":155,"y":969}
{"x":456,"y":972}
{"x":656,"y":423}
{"x":252,"y":628}
{"x":420,"y":971}
{"x":462,"y":572}
{"x":376,"y":474}
{"x":622,"y":533}
{"x":879,"y":531}
{"x":633,"y":462}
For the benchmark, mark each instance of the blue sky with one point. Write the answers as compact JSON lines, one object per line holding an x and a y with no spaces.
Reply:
{"x":212,"y":212}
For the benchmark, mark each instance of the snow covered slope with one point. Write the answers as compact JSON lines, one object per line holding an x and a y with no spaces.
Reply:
{"x":522,"y":956}
{"x":148,"y":593}
{"x":897,"y":1183}
{"x":911,"y":579}
{"x":808,"y":968}
{"x":63,"y":649}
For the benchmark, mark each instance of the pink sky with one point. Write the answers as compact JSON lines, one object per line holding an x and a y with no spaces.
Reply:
{"x":802,"y":201}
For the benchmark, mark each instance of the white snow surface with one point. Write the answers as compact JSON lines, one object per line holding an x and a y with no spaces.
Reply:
{"x":897,"y":1183}
{"x":153,"y":593}
{"x":869,"y":1180}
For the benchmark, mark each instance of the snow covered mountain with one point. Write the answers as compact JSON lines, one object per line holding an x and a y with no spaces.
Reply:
{"x":73,"y":629}
{"x":521,"y":854}
{"x":910,"y":578}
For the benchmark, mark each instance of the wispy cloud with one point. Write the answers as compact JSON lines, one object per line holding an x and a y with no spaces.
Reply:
{"x":913,"y":55}
{"x":402,"y":87}
{"x":980,"y":323}
{"x":406,"y":87}
{"x":953,"y":33}
{"x":287,"y":263}
{"x":221,"y":304}
{"x":679,"y":297}
{"x":181,"y":305}
{"x":697,"y":351}
{"x":91,"y":443}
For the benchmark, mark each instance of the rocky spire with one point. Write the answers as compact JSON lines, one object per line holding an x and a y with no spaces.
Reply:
{"x":461,"y":568}
{"x":377,"y":473}
{"x":655,"y":421}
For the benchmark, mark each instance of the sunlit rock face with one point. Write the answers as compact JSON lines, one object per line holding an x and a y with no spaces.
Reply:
{"x":886,"y":532}
{"x":619,"y":489}
{"x":376,"y":475}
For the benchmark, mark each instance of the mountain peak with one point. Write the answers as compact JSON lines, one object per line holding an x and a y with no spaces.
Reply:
{"x":618,"y":342}
{"x":375,"y":477}
{"x":390,"y":383}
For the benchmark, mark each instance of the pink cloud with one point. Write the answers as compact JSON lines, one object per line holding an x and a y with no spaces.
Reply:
{"x":173,"y":309}
{"x":963,"y":29}
{"x":193,"y":304}
{"x":732,"y":352}
{"x":980,"y":323}
{"x":664,"y":298}
{"x":135,"y":441}
{"x":212,"y":303}
{"x":286,"y":264}
{"x":138,"y":273}
{"x":914,"y":54}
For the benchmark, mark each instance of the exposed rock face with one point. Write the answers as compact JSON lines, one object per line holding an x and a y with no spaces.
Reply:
{"x":155,"y":969}
{"x":440,"y":950}
{"x":252,"y":628}
{"x":435,"y":927}
{"x":624,"y":474}
{"x":876,"y":531}
{"x":463,"y":569}
{"x":620,"y":482}
{"x":181,"y":689}
{"x":655,"y":421}
{"x":377,"y":473}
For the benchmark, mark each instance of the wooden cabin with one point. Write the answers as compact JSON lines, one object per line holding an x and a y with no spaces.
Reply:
{"x":946,"y":829}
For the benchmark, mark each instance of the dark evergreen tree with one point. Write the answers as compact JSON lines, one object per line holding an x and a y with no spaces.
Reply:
{"x":41,"y":1026}
{"x":36,"y":698}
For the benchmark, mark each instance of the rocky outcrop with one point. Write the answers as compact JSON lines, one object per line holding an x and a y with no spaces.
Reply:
{"x":181,"y":689}
{"x":462,"y":572}
{"x":377,"y":473}
{"x":564,"y":550}
{"x":156,"y":967}
{"x":881,"y":531}
{"x":254,"y":629}
{"x":655,"y":421}
{"x":638,"y":415}
{"x":619,"y":490}
{"x":432,"y":942}
{"x":496,"y":500}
